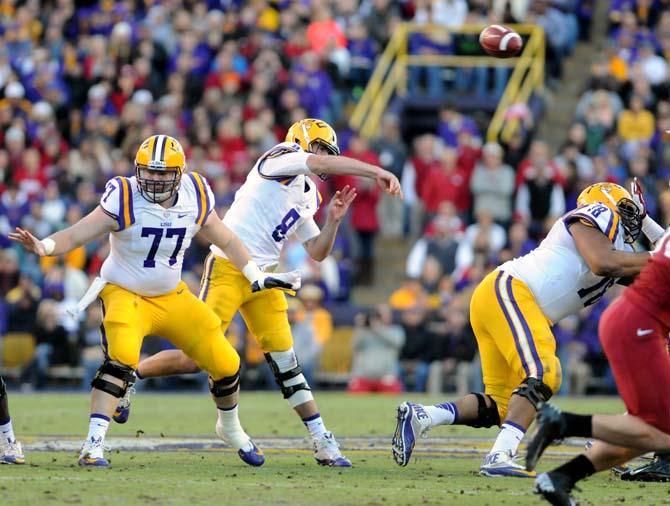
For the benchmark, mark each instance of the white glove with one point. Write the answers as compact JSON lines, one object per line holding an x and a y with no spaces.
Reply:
{"x":261,"y":281}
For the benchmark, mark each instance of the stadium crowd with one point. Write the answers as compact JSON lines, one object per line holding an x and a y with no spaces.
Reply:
{"x":81,"y":87}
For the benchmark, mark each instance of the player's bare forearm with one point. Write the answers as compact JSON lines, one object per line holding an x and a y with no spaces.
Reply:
{"x":220,"y":235}
{"x":320,"y":246}
{"x":342,"y":165}
{"x":84,"y":231}
{"x":90,"y":227}
{"x":602,"y":258}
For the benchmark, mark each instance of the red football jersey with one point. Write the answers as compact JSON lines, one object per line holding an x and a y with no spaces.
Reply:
{"x":651,"y":289}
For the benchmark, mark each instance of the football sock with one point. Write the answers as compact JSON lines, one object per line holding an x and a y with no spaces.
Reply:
{"x":442,"y":414}
{"x":7,"y":432}
{"x":509,"y":437}
{"x":234,"y":433}
{"x":97,"y":427}
{"x":576,"y":469}
{"x":315,"y":426}
{"x":578,"y":425}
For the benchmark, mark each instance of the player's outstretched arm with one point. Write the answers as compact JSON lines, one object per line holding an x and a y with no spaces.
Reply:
{"x":91,"y":226}
{"x":603,"y":260}
{"x":220,"y":235}
{"x":342,"y":165}
{"x":319,"y":247}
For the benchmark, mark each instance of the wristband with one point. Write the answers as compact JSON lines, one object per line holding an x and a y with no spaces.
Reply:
{"x":252,"y":272}
{"x":49,"y":245}
{"x":652,"y":230}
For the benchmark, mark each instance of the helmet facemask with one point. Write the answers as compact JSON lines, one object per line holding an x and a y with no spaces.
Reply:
{"x":630,"y":219}
{"x":157,"y":190}
{"x":320,"y":143}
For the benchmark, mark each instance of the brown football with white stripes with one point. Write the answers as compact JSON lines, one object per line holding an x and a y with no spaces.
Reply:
{"x":500,"y":41}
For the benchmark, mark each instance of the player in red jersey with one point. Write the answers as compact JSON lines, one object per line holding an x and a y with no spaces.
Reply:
{"x":633,"y":332}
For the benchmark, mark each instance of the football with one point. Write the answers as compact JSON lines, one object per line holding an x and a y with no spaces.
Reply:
{"x":500,"y":41}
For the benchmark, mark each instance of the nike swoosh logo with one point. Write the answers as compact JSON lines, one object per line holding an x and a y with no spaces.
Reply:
{"x":180,"y":291}
{"x":181,"y":215}
{"x":641,"y":332}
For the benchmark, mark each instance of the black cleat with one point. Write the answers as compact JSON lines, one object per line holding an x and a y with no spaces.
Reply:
{"x":657,"y":470}
{"x":550,"y":427}
{"x":555,"y":488}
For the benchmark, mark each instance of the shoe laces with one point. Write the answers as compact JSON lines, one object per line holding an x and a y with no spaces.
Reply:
{"x":328,"y":443}
{"x":13,"y":447}
{"x":94,"y":446}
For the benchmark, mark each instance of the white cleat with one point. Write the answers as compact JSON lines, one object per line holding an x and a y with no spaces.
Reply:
{"x":412,"y":423}
{"x":93,"y":454}
{"x":327,"y":452}
{"x":504,"y":463}
{"x":11,"y":453}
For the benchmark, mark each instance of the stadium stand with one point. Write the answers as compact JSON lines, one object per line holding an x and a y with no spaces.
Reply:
{"x":406,"y":85}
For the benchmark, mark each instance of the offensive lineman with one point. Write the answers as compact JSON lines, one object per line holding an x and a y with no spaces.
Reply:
{"x":10,"y":449}
{"x":151,"y":219}
{"x":633,"y":331}
{"x":277,"y":200}
{"x":512,"y":311}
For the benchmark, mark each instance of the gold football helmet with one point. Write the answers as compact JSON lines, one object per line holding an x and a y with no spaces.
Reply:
{"x":617,"y":199}
{"x":310,"y":133}
{"x":159,"y":165}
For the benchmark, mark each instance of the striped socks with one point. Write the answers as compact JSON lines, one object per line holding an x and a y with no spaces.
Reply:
{"x":442,"y":414}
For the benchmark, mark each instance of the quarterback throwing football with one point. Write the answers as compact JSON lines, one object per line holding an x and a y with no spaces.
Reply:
{"x":277,"y":200}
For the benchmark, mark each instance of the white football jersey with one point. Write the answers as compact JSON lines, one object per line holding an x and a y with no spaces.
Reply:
{"x":277,"y":200}
{"x":148,"y":248}
{"x":556,"y":273}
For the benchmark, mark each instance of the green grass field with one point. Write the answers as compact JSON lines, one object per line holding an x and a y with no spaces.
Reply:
{"x":443,"y":472}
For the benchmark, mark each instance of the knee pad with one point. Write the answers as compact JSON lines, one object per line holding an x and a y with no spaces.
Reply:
{"x":225,"y":386}
{"x":289,"y":377}
{"x":3,"y":389}
{"x":487,"y":416}
{"x":535,"y":391}
{"x":116,"y":370}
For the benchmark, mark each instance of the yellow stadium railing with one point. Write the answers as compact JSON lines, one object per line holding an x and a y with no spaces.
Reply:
{"x":390,"y":75}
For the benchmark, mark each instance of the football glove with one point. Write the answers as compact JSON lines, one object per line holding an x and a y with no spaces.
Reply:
{"x":282,"y":280}
{"x":262,"y":281}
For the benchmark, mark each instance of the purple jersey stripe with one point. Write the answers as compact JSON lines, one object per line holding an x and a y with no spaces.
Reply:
{"x":197,"y":198}
{"x":526,"y":329}
{"x":122,"y":191}
{"x":509,"y":323}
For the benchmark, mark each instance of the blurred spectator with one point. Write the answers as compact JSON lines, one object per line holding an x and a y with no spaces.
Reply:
{"x":539,"y":198}
{"x":392,"y":156}
{"x":636,"y":124}
{"x":492,"y":185}
{"x":456,"y":349}
{"x":418,"y":350}
{"x":308,"y":349}
{"x":441,"y":245}
{"x":377,"y":343}
{"x":408,"y":295}
{"x":449,"y":182}
{"x":22,"y":301}
{"x":315,"y":314}
{"x":53,"y":344}
{"x":483,"y":238}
